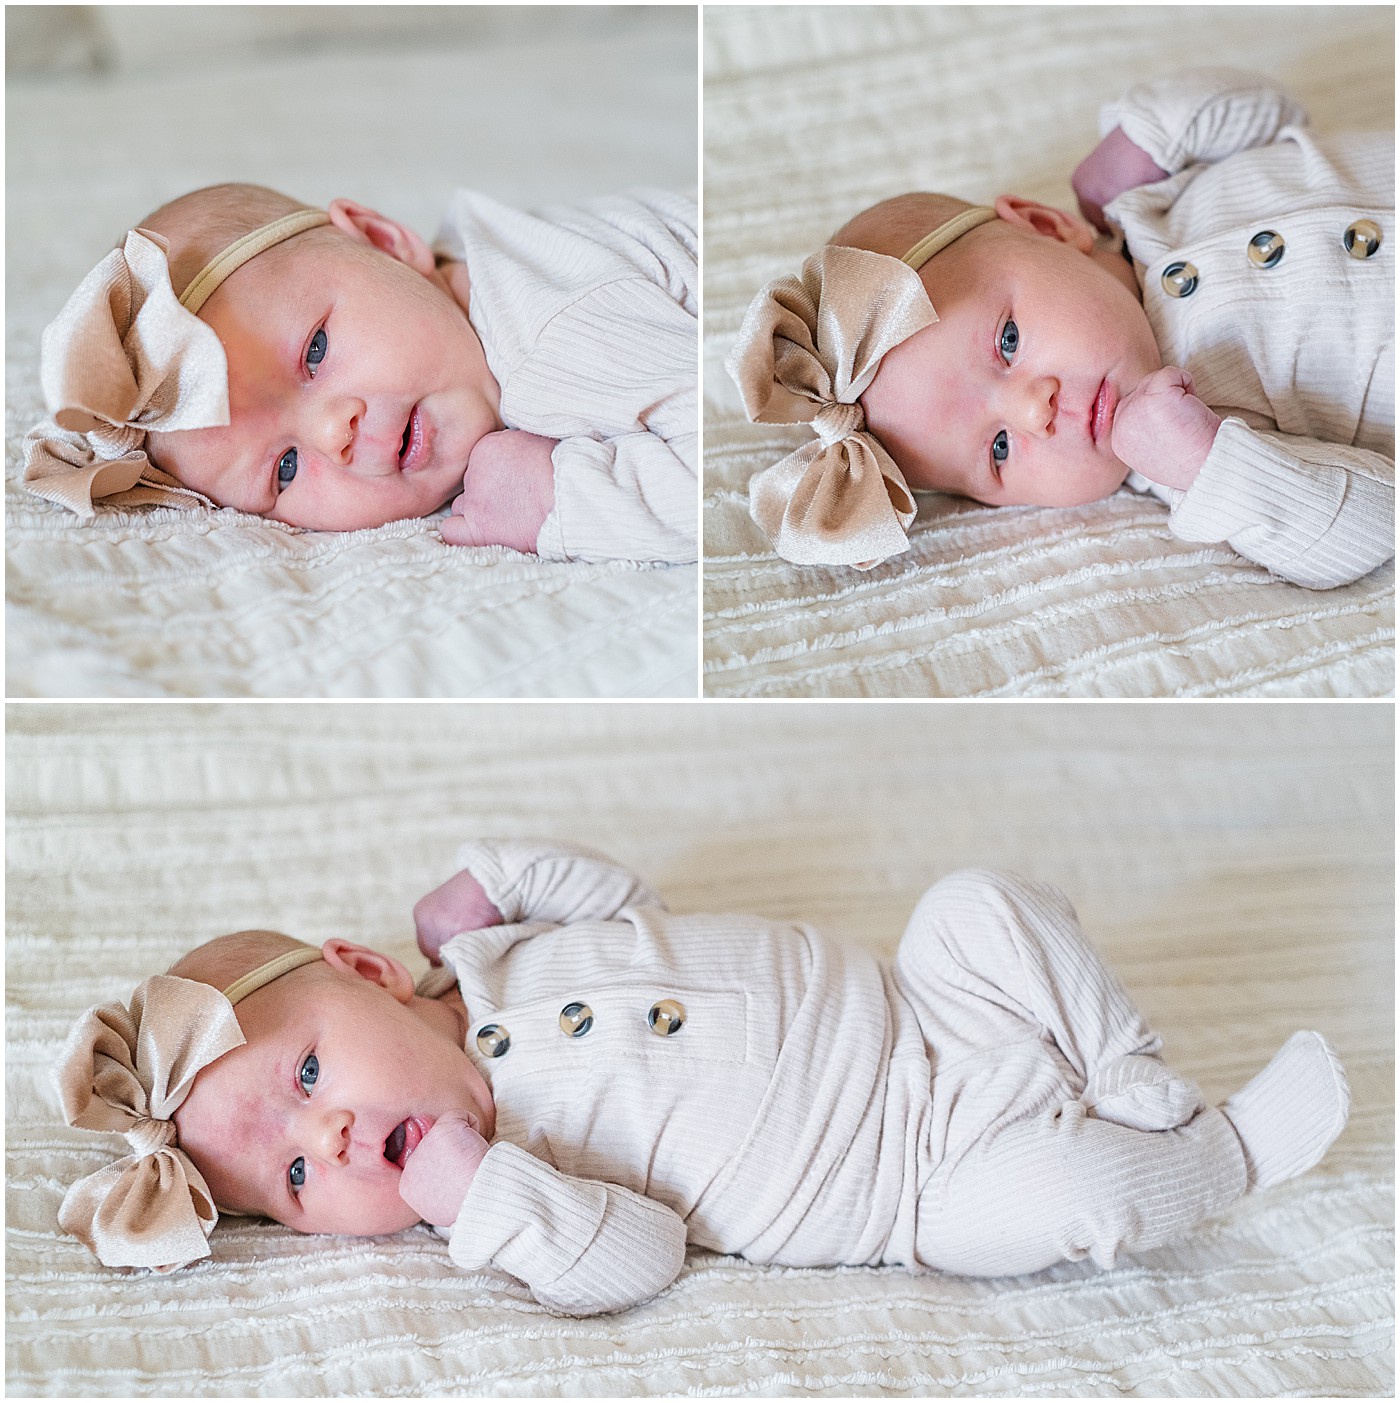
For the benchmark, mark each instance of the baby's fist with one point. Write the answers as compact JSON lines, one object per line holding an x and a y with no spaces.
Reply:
{"x":1113,"y":166}
{"x":440,"y":1171}
{"x":1162,"y":430}
{"x":458,"y":904}
{"x":507,"y":492}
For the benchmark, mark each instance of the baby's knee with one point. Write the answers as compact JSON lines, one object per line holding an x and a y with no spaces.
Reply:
{"x":974,"y":893}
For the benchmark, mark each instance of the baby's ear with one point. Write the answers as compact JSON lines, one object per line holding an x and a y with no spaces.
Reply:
{"x":368,"y":226}
{"x":1047,"y":221}
{"x":364,"y":963}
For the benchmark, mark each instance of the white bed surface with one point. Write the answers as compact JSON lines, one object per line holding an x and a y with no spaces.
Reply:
{"x":174,"y":604}
{"x":1234,"y":864}
{"x":833,"y":108}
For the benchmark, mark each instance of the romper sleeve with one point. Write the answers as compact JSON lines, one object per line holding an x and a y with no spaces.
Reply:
{"x":1201,"y":115}
{"x":580,"y":1245}
{"x":623,"y":360}
{"x":1317,"y":514}
{"x":532,"y":880}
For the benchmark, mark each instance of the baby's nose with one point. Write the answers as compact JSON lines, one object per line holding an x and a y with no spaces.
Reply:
{"x":333,"y":1135}
{"x":1039,"y":406}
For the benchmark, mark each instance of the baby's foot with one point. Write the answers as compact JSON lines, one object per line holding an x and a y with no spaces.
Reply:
{"x":1141,"y":1093}
{"x":1288,"y":1115}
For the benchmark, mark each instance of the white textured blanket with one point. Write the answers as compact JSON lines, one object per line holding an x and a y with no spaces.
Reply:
{"x":813,"y":113}
{"x":166,"y":603}
{"x":1234,"y":864}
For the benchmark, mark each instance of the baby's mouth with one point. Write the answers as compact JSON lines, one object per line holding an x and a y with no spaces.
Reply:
{"x":403,"y":1139}
{"x":411,"y":445}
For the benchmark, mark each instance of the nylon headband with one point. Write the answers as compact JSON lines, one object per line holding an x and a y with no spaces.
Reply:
{"x":945,"y":234}
{"x":249,"y":246}
{"x":273,"y":969}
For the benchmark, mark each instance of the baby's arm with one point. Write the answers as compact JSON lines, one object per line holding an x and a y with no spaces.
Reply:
{"x":627,"y":489}
{"x":1160,"y":127}
{"x":1318,"y":514}
{"x":504,"y":881}
{"x":580,"y":1245}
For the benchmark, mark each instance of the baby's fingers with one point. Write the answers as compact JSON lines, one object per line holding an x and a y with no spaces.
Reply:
{"x":458,"y":531}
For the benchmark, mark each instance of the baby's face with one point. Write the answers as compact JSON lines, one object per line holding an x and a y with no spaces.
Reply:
{"x":357,"y":389}
{"x":311,"y":1121}
{"x":1009,"y":397}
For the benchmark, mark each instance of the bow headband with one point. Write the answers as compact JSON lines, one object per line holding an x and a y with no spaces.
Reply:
{"x":125,"y":357}
{"x":128,"y":1070}
{"x":808,"y":349}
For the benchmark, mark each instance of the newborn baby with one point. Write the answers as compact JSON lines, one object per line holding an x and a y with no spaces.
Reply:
{"x":329,"y":369}
{"x":588,"y":1083}
{"x":1226,"y":343}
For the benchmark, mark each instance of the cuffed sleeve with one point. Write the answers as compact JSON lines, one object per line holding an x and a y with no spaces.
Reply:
{"x":580,"y":1245}
{"x":630,"y":498}
{"x":1318,"y":514}
{"x":1201,"y":115}
{"x":530,"y":880}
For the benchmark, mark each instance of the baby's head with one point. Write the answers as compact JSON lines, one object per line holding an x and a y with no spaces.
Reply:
{"x":340,"y":1072}
{"x":1009,"y":396}
{"x":357,"y":386}
{"x":939,"y":345}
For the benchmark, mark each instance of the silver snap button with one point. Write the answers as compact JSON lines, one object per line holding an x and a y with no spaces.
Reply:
{"x":1362,"y":238}
{"x":1179,"y":279}
{"x":493,"y":1040}
{"x":1266,"y":249}
{"x":667,"y":1016}
{"x":575,"y":1019}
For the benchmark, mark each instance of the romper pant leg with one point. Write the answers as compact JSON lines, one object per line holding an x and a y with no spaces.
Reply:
{"x":1060,"y":1185}
{"x":992,"y":957}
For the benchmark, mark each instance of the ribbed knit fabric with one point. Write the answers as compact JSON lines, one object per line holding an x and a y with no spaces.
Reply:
{"x":1290,"y":1113}
{"x":1299,"y":358}
{"x":588,"y":319}
{"x":811,"y":1108}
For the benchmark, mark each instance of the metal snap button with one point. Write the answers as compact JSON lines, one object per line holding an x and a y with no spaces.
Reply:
{"x":1265,"y":249}
{"x":493,"y":1040}
{"x":1179,"y":279}
{"x":1362,"y":238}
{"x":575,"y":1019}
{"x":667,"y":1016}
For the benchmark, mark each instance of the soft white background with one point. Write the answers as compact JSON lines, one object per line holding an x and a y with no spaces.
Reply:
{"x":1233,"y":862}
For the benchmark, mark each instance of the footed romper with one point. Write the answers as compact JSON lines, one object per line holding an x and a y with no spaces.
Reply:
{"x":990,"y":1103}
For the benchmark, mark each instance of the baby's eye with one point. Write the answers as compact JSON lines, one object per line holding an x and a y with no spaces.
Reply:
{"x":316,"y":351}
{"x":1010,"y":340}
{"x":286,"y":468}
{"x":310,"y":1070}
{"x":296,"y":1175}
{"x":1001,"y":449}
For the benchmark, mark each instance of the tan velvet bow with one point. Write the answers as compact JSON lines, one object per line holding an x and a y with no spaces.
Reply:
{"x":129,"y":1070}
{"x":808,"y":349}
{"x":123,"y":357}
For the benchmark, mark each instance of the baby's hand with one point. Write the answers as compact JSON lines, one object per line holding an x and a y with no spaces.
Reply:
{"x":1162,"y":430}
{"x":458,"y":904}
{"x":507,"y":491}
{"x":440,"y":1171}
{"x":1113,"y":166}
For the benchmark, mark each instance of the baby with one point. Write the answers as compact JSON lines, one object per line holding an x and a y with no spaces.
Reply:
{"x":328,"y":369}
{"x":587,"y":1083}
{"x":1225,"y":343}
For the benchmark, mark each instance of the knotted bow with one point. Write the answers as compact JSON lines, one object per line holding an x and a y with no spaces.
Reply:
{"x":123,"y":357}
{"x":129,"y":1071}
{"x":808,"y":349}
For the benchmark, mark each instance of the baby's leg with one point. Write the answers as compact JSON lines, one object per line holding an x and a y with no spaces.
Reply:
{"x":1062,"y":1185}
{"x":990,"y":958}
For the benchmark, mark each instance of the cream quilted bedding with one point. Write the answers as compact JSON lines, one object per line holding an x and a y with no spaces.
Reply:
{"x":812,"y":113}
{"x":165,"y":603}
{"x":1233,"y":863}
